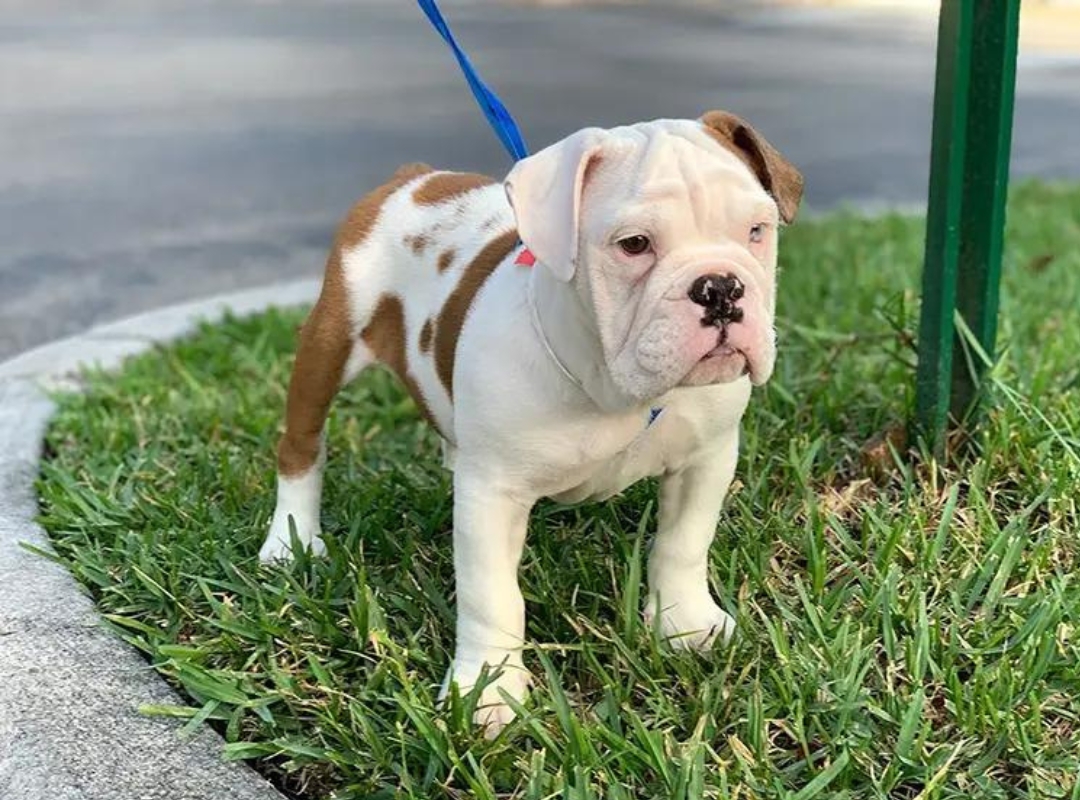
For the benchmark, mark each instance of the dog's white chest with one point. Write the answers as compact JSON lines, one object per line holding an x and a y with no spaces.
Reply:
{"x":686,"y":422}
{"x":643,"y":456}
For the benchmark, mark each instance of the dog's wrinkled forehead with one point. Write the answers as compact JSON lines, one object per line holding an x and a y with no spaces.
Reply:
{"x":670,"y":168}
{"x":546,"y":189}
{"x":660,"y":143}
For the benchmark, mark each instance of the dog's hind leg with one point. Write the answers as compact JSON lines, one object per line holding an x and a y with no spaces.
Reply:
{"x":331,"y":353}
{"x":327,"y":357}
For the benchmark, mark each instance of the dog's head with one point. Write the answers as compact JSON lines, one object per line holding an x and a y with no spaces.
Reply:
{"x":668,"y":231}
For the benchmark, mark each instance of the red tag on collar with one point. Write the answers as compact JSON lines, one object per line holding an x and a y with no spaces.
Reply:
{"x":525,"y":258}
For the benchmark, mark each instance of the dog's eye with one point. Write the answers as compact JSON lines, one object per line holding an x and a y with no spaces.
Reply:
{"x":635,"y":245}
{"x":757,"y":233}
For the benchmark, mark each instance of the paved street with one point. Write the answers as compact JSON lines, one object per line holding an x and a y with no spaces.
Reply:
{"x":152,"y":152}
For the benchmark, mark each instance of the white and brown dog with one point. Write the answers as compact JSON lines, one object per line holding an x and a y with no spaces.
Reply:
{"x":627,"y":350}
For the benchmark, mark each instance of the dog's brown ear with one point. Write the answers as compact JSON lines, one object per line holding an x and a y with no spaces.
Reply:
{"x":778,"y":176}
{"x":545,"y":192}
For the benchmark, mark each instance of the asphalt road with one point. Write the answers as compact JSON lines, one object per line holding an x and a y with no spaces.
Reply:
{"x":152,"y":152}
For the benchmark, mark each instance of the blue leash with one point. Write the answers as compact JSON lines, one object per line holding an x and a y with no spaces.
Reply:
{"x":490,"y":104}
{"x":494,"y":110}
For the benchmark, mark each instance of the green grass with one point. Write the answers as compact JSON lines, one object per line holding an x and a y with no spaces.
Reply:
{"x":906,"y":629}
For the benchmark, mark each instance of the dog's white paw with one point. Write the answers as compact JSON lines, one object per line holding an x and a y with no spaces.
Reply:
{"x":278,"y":544}
{"x":690,"y":624}
{"x":493,"y":713}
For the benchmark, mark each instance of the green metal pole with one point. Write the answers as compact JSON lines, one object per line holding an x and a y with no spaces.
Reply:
{"x":973,"y":94}
{"x":982,"y":223}
{"x":947,"y":147}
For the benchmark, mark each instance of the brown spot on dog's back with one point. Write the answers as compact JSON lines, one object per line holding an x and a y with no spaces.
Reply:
{"x":414,"y":169}
{"x":452,"y":316}
{"x":492,"y":223}
{"x":362,"y":217}
{"x":446,"y":258}
{"x":385,"y":336}
{"x":425,"y":336}
{"x":326,"y":336}
{"x":417,"y":243}
{"x":443,"y":187}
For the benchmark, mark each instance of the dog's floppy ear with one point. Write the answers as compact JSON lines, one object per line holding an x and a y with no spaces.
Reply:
{"x":545,"y":193}
{"x":776,"y":173}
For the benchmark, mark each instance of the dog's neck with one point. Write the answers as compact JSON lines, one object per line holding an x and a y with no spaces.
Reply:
{"x":567,"y":331}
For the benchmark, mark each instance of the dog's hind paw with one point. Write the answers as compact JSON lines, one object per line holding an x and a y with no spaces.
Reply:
{"x":278,"y":544}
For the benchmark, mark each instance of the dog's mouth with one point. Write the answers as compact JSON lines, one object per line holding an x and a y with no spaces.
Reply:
{"x":727,"y":351}
{"x":722,"y":364}
{"x":722,"y":351}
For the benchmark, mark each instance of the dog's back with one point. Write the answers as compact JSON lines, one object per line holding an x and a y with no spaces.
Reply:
{"x":411,"y":278}
{"x":404,"y":267}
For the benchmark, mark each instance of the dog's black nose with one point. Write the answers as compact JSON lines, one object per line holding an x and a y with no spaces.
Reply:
{"x":717,"y":294}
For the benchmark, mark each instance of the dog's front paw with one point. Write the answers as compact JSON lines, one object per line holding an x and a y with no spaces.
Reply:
{"x":693,"y":624}
{"x":278,"y":544}
{"x":493,"y":713}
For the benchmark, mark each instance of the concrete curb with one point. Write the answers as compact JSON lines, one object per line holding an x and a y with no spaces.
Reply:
{"x":70,"y":690}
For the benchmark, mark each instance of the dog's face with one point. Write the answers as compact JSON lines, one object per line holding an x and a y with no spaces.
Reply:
{"x":668,"y":230}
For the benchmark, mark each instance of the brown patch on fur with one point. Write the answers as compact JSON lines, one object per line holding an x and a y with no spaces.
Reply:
{"x":452,"y":316}
{"x":492,"y":223}
{"x":361,"y":218}
{"x":445,"y":259}
{"x":417,"y":243}
{"x":325,"y":344}
{"x":778,"y":176}
{"x":443,"y":187}
{"x":385,"y":335}
{"x":425,"y":336}
{"x":326,"y":336}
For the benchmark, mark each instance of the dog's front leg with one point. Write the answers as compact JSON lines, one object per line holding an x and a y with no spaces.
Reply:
{"x":489,"y":534}
{"x":690,"y":501}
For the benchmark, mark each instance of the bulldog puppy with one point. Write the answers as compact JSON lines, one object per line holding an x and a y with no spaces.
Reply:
{"x":598,"y":317}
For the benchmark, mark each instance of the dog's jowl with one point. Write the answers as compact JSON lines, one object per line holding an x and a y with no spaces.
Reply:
{"x":596,"y":318}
